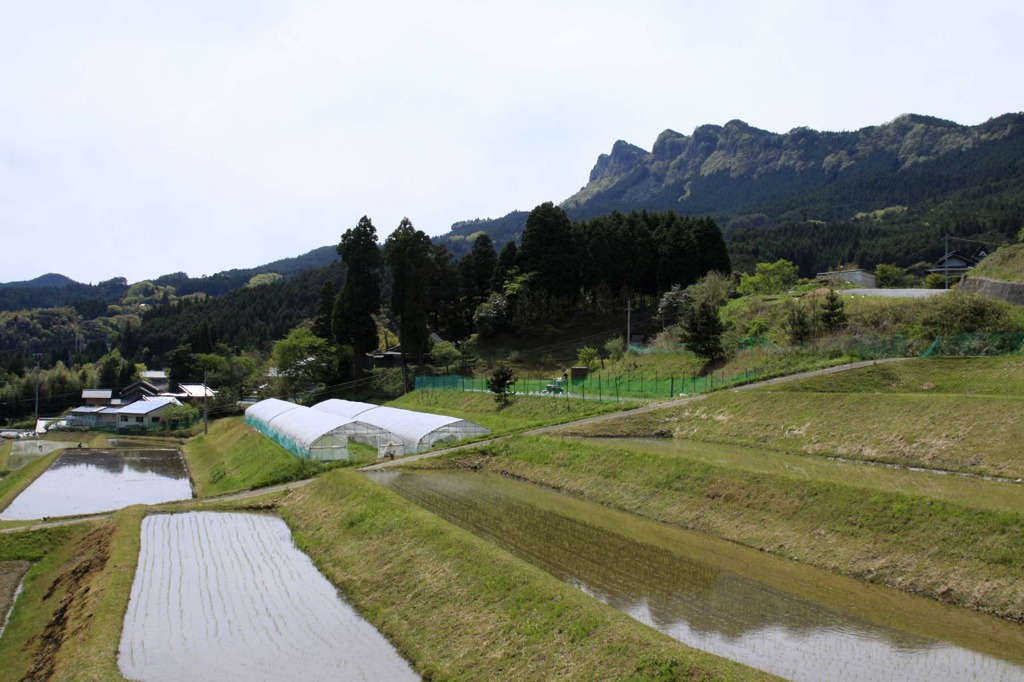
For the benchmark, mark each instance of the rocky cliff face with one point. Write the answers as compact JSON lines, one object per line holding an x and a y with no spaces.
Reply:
{"x":803,"y":158}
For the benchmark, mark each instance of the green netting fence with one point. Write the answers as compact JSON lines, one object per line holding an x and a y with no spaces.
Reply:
{"x":629,"y":386}
{"x":640,"y":385}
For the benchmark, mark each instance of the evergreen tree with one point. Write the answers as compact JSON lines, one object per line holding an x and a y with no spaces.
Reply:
{"x":701,"y":327}
{"x":407,"y":253}
{"x":799,"y":324}
{"x":476,"y":270}
{"x":325,"y":310}
{"x":547,"y":251}
{"x":833,"y":312}
{"x":359,"y":299}
{"x":508,"y":263}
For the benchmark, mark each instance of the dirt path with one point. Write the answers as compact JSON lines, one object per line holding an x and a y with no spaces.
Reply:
{"x":241,"y":495}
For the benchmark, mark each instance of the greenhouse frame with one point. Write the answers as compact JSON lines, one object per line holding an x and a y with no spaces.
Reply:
{"x":417,"y":431}
{"x":312,"y":434}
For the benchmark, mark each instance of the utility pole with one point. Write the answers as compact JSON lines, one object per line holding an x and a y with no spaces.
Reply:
{"x":946,"y":262}
{"x":37,"y":391}
{"x":629,"y":319}
{"x":206,"y":412}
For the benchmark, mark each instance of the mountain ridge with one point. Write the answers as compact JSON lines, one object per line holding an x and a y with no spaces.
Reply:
{"x":738,"y":173}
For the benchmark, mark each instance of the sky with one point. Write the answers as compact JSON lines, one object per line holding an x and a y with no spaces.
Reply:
{"x":142,"y":138}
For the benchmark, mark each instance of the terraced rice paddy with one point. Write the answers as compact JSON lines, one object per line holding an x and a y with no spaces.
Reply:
{"x":92,"y":481}
{"x":227,"y":596}
{"x":793,"y":621}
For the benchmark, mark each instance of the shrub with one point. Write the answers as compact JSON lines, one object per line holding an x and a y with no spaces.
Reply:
{"x":500,"y":383}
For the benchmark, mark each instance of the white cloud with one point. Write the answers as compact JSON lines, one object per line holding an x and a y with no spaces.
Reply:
{"x":143,"y":138}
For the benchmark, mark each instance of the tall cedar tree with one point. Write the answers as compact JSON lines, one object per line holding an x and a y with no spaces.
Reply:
{"x":359,"y":298}
{"x":476,"y":270}
{"x":325,"y":311}
{"x":407,"y":253}
{"x":547,"y":251}
{"x":508,"y":263}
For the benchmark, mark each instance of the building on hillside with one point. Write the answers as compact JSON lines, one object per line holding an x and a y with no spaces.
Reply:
{"x":192,"y":394}
{"x":94,"y":397}
{"x":956,"y":263}
{"x":86,"y":416}
{"x":144,"y":413}
{"x":836,"y":278}
{"x":138,"y":391}
{"x":157,"y":378}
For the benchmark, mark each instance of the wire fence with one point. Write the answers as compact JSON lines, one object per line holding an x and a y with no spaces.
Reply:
{"x":645,"y":385}
{"x":627,"y":386}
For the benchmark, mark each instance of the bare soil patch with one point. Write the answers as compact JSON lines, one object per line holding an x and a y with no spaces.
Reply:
{"x":11,"y":573}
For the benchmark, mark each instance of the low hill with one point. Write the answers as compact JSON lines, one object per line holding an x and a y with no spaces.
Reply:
{"x":55,"y":290}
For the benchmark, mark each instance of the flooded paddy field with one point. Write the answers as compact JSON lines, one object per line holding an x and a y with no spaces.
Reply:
{"x":228,"y":596}
{"x":794,"y":621}
{"x":86,"y":481}
{"x":24,"y":452}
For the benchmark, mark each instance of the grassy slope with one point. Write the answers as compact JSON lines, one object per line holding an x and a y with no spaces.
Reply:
{"x":235,"y":457}
{"x":969,"y":557}
{"x":460,"y":609}
{"x":899,"y":413}
{"x":524,"y":412}
{"x":1006,"y":263}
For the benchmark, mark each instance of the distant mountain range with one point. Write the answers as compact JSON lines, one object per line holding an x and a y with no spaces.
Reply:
{"x":747,"y":177}
{"x":53,"y":290}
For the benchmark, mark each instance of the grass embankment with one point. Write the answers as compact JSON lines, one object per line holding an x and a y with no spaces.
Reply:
{"x":235,"y":457}
{"x":968,"y":557}
{"x":458,"y":608}
{"x":524,"y":412}
{"x":1006,"y":263}
{"x":67,"y":625}
{"x":954,"y":415}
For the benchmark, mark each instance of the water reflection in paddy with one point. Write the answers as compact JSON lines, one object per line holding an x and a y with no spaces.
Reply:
{"x":793,"y":621}
{"x":225,"y":596}
{"x":84,"y":481}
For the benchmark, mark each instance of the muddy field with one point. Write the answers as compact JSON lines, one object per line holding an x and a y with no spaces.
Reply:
{"x":228,"y":596}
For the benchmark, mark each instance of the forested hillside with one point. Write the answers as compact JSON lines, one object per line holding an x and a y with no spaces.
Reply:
{"x":883,"y":194}
{"x":54,"y":291}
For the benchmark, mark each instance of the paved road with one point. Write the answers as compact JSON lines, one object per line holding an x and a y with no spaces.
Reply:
{"x":245,"y":494}
{"x":895,"y":293}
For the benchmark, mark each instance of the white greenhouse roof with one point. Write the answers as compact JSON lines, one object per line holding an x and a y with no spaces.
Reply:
{"x":344,"y":408}
{"x":265,"y":410}
{"x":411,"y":426}
{"x":305,"y":427}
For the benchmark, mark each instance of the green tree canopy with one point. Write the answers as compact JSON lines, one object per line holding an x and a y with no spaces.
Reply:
{"x":407,"y":253}
{"x":359,"y":298}
{"x":769,"y":278}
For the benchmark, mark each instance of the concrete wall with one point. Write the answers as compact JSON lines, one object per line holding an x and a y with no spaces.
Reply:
{"x":994,"y":288}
